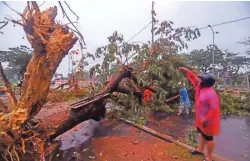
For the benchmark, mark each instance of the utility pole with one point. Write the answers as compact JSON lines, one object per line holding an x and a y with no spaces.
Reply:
{"x":153,"y":21}
{"x":247,"y":81}
{"x":213,"y":45}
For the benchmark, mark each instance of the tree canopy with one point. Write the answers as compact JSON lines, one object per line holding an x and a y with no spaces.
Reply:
{"x":17,"y":59}
{"x":246,"y":43}
{"x":203,"y":58}
{"x":158,"y":60}
{"x":228,"y":62}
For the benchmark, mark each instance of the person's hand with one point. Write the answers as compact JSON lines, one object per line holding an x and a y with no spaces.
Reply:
{"x":183,"y":69}
{"x":204,"y":123}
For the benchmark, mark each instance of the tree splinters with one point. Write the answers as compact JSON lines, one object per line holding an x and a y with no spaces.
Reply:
{"x":50,"y":43}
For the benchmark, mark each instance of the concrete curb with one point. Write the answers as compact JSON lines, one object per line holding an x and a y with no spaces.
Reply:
{"x":168,"y":138}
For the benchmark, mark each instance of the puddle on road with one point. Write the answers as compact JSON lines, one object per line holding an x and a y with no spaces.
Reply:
{"x":175,"y":126}
{"x":232,"y":143}
{"x":77,"y":142}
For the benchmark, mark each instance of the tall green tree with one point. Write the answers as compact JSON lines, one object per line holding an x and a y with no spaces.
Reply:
{"x":246,"y":43}
{"x":233,"y":62}
{"x":17,"y":59}
{"x":203,"y":58}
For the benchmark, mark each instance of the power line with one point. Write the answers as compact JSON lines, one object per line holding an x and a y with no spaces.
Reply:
{"x":223,"y":23}
{"x":139,"y":31}
{"x":219,"y":24}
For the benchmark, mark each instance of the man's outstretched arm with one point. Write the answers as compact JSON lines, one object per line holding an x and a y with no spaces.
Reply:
{"x":191,"y":76}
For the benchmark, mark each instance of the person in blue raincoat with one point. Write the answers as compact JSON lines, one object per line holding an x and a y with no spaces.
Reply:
{"x":184,"y":104}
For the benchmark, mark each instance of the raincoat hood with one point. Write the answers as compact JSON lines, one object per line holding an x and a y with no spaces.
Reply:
{"x":207,"y":80}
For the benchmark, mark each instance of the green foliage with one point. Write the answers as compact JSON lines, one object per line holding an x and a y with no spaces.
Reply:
{"x":61,"y":96}
{"x":234,"y":105}
{"x":173,"y":39}
{"x":246,"y":43}
{"x":229,"y":62}
{"x":130,"y":115}
{"x":191,"y":138}
{"x":160,"y":62}
{"x":137,"y":113}
{"x":164,"y":62}
{"x":169,"y":42}
{"x":113,"y":54}
{"x":17,"y":59}
{"x":233,"y":63}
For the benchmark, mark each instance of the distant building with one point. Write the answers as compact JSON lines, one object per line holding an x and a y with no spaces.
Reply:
{"x":226,"y":80}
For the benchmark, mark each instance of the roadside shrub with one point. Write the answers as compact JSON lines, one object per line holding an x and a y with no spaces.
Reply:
{"x":61,"y":96}
{"x":233,"y":105}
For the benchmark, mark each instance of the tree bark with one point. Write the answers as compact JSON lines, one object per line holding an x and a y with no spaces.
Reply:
{"x":90,"y":108}
{"x":94,"y":107}
{"x":50,"y":43}
{"x":112,"y":85}
{"x":150,"y":88}
{"x":94,"y":110}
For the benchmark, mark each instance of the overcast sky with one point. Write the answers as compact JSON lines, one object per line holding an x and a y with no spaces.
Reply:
{"x":100,"y":18}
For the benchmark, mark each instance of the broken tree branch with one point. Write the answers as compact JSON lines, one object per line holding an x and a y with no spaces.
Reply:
{"x":35,"y":6}
{"x":124,"y":90}
{"x":76,"y":29}
{"x":172,"y":98}
{"x":91,"y":108}
{"x":42,"y":3}
{"x":112,"y":85}
{"x":60,"y":86}
{"x":12,"y":9}
{"x":175,"y":97}
{"x":78,"y":115}
{"x":132,"y":84}
{"x":14,"y":21}
{"x":4,"y":24}
{"x":77,"y":18}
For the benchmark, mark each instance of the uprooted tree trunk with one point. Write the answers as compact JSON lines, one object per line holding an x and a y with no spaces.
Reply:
{"x":50,"y":43}
{"x":92,"y":107}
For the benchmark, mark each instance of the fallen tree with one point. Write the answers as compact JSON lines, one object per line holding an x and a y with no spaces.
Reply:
{"x":94,"y":107}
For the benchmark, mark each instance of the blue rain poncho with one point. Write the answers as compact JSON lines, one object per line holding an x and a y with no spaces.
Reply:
{"x":184,"y":98}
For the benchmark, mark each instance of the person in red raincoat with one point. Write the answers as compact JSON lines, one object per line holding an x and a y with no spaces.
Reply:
{"x":207,"y":110}
{"x":147,"y":95}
